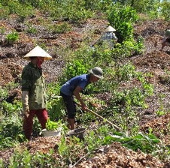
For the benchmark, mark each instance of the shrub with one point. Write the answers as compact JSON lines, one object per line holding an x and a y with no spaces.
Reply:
{"x":2,"y":30}
{"x":31,"y":30}
{"x":56,"y":108}
{"x":59,"y":28}
{"x":11,"y":131}
{"x":75,"y":11}
{"x":12,"y":37}
{"x":146,"y":143}
{"x":164,"y":9}
{"x":4,"y":11}
{"x":97,"y":4}
{"x":77,"y":67}
{"x":23,"y":10}
{"x":122,"y":18}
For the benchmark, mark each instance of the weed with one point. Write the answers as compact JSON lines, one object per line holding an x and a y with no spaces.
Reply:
{"x":12,"y":37}
{"x":2,"y":30}
{"x":61,"y":28}
{"x":31,"y":30}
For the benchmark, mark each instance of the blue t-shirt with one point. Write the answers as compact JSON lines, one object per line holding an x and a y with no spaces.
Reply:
{"x":82,"y":81}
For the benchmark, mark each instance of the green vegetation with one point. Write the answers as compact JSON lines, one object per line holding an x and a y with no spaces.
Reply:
{"x":61,"y":28}
{"x":124,"y":103}
{"x":31,"y":30}
{"x":12,"y":37}
{"x":51,"y":125}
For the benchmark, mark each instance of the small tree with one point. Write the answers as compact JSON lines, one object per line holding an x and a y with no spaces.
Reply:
{"x":122,"y":18}
{"x":165,"y":6}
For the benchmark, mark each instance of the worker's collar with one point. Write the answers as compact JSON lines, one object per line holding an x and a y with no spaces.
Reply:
{"x":33,"y":65}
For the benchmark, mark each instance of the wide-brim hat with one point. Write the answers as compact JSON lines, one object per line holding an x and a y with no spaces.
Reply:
{"x":97,"y":72}
{"x":110,"y":29}
{"x":38,"y":52}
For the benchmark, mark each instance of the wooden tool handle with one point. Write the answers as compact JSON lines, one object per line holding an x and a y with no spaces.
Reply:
{"x":109,"y":122}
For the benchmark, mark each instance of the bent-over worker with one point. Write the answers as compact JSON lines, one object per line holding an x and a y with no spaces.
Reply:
{"x":73,"y":87}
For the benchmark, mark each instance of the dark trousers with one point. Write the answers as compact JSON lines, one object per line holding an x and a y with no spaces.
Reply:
{"x":70,"y":105}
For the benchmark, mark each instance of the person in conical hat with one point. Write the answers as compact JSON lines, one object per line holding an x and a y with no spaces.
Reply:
{"x":38,"y":52}
{"x":72,"y":89}
{"x":108,"y":37}
{"x":166,"y":40}
{"x":110,"y":29}
{"x":33,"y":90}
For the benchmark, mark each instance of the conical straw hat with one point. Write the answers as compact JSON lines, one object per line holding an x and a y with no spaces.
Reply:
{"x":38,"y":52}
{"x":110,"y":29}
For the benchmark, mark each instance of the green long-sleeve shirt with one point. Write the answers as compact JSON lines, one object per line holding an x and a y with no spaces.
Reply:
{"x":34,"y":82}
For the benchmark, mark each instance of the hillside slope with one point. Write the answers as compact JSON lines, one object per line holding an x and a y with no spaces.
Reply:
{"x":152,"y":60}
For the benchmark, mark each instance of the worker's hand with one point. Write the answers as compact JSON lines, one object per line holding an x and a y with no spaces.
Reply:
{"x":83,"y":107}
{"x":25,"y":112}
{"x":95,"y":105}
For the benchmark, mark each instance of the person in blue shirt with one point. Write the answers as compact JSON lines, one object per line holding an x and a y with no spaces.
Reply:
{"x":73,"y":87}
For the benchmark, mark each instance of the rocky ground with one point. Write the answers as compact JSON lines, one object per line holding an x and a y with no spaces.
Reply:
{"x":153,"y":60}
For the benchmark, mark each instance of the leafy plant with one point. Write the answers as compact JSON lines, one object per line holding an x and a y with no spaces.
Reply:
{"x":146,"y":143}
{"x":12,"y":37}
{"x":63,"y":148}
{"x":23,"y":10}
{"x":75,"y":11}
{"x":161,"y":110}
{"x":9,"y":109}
{"x":11,"y":131}
{"x":31,"y":30}
{"x":2,"y":30}
{"x":125,"y":72}
{"x":3,"y":92}
{"x":4,"y":11}
{"x":122,"y":19}
{"x":165,"y":10}
{"x":59,"y":28}
{"x":51,"y":125}
{"x":56,"y":108}
{"x":23,"y":159}
{"x":73,"y":69}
